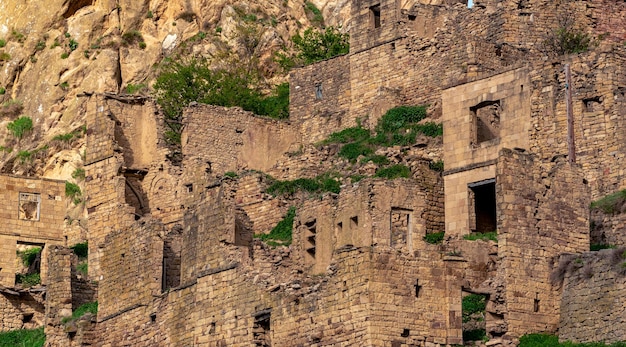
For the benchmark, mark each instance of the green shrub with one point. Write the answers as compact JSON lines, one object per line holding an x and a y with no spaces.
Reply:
{"x":18,"y":36}
{"x":282,"y":231}
{"x":81,"y":249}
{"x":73,"y":192}
{"x":436,"y":165}
{"x":24,"y":155}
{"x":471,"y":304}
{"x":316,"y":45}
{"x":599,"y":246}
{"x":493,"y":236}
{"x":20,"y":126}
{"x":610,"y":204}
{"x":2,"y":43}
{"x":65,"y":55}
{"x":29,"y":255}
{"x":317,"y":14}
{"x":430,"y":129}
{"x":64,"y":137}
{"x":6,"y":149}
{"x":90,"y":307}
{"x":78,"y":174}
{"x":28,"y":280}
{"x":23,"y":338}
{"x":132,"y":37}
{"x":41,"y":45}
{"x":355,"y":134}
{"x":4,"y":56}
{"x":376,"y":159}
{"x":73,"y":44}
{"x":2,"y":91}
{"x":322,"y":183}
{"x":230,"y":174}
{"x":352,"y":151}
{"x":434,"y":238}
{"x":134,"y":88}
{"x":399,"y":117}
{"x":356,"y":178}
{"x":149,"y":15}
{"x":180,"y":83}
{"x":394,"y":171}
{"x":474,"y":335}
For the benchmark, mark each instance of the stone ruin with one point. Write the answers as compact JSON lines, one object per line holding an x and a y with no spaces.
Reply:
{"x":174,"y":253}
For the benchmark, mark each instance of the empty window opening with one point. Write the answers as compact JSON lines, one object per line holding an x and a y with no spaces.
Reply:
{"x":354,"y":222}
{"x":29,"y":206}
{"x":592,"y":104}
{"x":405,"y":332}
{"x":400,"y":227}
{"x":536,"y":303}
{"x":153,"y":317}
{"x":172,"y":246}
{"x":133,"y":192}
{"x":375,"y":16}
{"x":27,"y":317}
{"x":189,"y":188}
{"x":311,"y":234}
{"x":412,"y":17}
{"x":482,"y":206}
{"x":28,"y":272}
{"x":261,"y":329}
{"x":486,"y":121}
{"x":319,"y":92}
{"x":243,"y":229}
{"x":473,"y":316}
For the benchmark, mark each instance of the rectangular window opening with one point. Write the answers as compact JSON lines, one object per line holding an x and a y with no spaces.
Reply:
{"x":354,"y":222}
{"x":261,"y":329}
{"x":29,"y":259}
{"x":375,"y":16}
{"x":486,"y":121}
{"x":592,"y":104}
{"x":319,"y":92}
{"x":189,"y":188}
{"x":29,"y":206}
{"x":482,"y":203}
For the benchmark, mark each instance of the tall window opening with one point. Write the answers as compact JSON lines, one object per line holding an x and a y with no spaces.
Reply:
{"x":486,"y":121}
{"x":375,"y":16}
{"x":261,"y":329}
{"x":400,"y":227}
{"x":482,"y":198}
{"x":30,"y":206}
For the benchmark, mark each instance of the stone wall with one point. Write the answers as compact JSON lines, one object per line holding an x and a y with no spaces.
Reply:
{"x":608,"y":229}
{"x":593,"y":300}
{"x":33,"y":213}
{"x":236,"y":140}
{"x":531,"y":235}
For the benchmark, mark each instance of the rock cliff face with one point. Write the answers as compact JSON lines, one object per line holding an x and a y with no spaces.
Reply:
{"x":55,"y":50}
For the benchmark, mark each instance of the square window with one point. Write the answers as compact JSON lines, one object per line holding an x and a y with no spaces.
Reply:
{"x":29,"y":206}
{"x":486,"y":121}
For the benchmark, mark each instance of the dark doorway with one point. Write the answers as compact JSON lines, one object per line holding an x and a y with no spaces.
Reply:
{"x":483,"y":214}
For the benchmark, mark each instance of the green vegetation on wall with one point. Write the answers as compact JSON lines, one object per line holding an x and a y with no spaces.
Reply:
{"x":20,"y":126}
{"x":434,"y":238}
{"x":612,"y":203}
{"x":323,"y":183}
{"x":546,"y":340}
{"x":181,"y":82}
{"x":23,"y":338}
{"x":281,"y":234}
{"x":314,"y":45}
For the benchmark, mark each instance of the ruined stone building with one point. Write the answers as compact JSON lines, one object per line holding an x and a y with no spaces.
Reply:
{"x":174,"y":249}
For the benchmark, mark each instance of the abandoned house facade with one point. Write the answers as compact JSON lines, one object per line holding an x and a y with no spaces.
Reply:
{"x":180,"y":239}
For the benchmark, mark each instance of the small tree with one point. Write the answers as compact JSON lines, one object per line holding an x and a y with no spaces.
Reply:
{"x":315,"y":45}
{"x":20,"y":126}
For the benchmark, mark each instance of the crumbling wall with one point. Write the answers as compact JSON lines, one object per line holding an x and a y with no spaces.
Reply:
{"x":531,"y":235}
{"x":598,"y":105}
{"x":608,"y":229}
{"x":594,"y":296}
{"x":236,"y":140}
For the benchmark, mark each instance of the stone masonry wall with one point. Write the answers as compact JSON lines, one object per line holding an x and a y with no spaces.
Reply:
{"x":594,"y":297}
{"x":531,"y":235}
{"x":36,"y":219}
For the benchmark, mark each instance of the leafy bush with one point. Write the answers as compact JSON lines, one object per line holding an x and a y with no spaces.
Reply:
{"x":434,"y":238}
{"x":230,"y":174}
{"x":90,"y":307}
{"x":73,"y":44}
{"x":352,"y":151}
{"x":2,"y":91}
{"x":18,"y":36}
{"x":493,"y":236}
{"x":474,"y":335}
{"x":3,"y":43}
{"x":282,"y":231}
{"x":29,"y":255}
{"x":394,"y":171}
{"x":23,"y":338}
{"x":20,"y":126}
{"x":134,"y":88}
{"x":132,"y":37}
{"x":73,"y":192}
{"x":611,"y":204}
{"x":399,"y":117}
{"x":322,"y":183}
{"x":376,"y":159}
{"x":430,"y":129}
{"x":315,"y":45}
{"x":4,"y":56}
{"x":472,"y":304}
{"x":180,"y":83}
{"x":28,"y":280}
{"x":82,"y":268}
{"x":24,"y":155}
{"x":355,"y":134}
{"x":81,"y":249}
